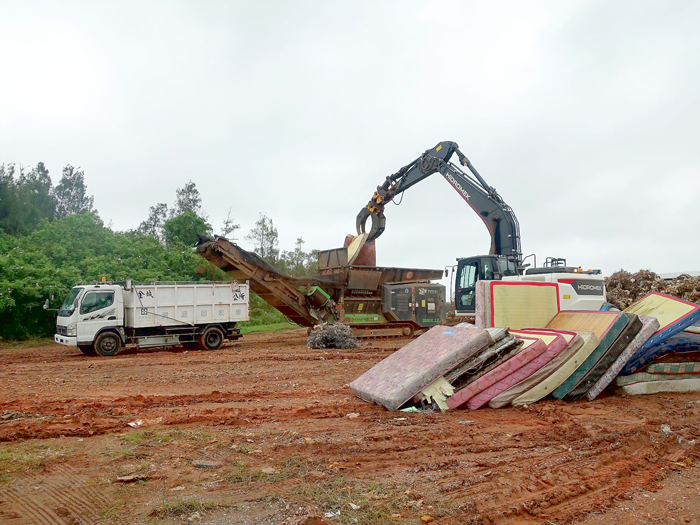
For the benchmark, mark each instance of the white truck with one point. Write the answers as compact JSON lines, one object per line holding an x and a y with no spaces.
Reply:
{"x":100,"y":318}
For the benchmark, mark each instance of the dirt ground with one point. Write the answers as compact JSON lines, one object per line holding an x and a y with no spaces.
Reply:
{"x":267,"y":431}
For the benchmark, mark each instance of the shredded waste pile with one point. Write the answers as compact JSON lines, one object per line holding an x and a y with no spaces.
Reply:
{"x":337,"y":335}
{"x":625,"y":288}
{"x":523,"y":348}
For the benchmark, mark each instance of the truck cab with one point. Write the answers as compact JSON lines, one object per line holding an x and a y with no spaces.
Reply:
{"x":87,"y":311}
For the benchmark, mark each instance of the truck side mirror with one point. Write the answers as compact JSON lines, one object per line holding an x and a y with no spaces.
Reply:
{"x":46,"y":305}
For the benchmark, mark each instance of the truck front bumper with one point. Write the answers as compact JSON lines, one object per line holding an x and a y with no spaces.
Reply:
{"x":65,"y":340}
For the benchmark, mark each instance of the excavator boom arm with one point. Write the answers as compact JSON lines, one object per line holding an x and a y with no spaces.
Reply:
{"x":483,"y":198}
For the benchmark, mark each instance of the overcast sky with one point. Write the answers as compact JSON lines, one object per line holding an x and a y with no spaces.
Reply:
{"x":585,"y":115}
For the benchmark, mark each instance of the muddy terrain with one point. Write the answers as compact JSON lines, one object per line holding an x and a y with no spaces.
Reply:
{"x":266,"y":430}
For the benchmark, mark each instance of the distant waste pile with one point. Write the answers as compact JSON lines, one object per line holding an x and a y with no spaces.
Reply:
{"x":523,"y":349}
{"x":625,"y":288}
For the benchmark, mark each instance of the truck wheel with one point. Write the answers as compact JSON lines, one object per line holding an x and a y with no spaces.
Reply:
{"x":87,"y":349}
{"x":211,"y":339}
{"x":108,"y":344}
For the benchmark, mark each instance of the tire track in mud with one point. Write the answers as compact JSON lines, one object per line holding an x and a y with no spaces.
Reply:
{"x":529,"y":475}
{"x":56,"y":496}
{"x":537,"y":490}
{"x":551,"y":461}
{"x":87,"y":418}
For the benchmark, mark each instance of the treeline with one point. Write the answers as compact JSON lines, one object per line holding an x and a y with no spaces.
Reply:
{"x":79,"y":248}
{"x":51,"y":239}
{"x":182,"y":222}
{"x":28,"y":196}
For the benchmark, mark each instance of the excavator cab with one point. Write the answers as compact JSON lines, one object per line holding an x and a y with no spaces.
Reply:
{"x":472,"y":269}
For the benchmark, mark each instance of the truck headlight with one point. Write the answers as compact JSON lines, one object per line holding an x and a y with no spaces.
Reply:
{"x":71,"y":330}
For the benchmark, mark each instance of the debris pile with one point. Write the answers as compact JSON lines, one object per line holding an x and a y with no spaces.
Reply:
{"x":625,"y":288}
{"x":684,"y":287}
{"x":526,"y":349}
{"x":336,"y":335}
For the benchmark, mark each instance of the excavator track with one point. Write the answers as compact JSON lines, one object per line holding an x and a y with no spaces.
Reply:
{"x":385,"y":331}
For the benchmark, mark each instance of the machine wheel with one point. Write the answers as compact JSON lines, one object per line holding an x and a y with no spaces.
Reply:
{"x":407,"y":331}
{"x":211,"y":339}
{"x":108,"y":344}
{"x":87,"y":349}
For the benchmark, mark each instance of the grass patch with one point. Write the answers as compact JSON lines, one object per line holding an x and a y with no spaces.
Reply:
{"x":150,"y":437}
{"x":171,"y":509}
{"x":242,"y":448}
{"x":28,"y":456}
{"x":113,"y":510}
{"x":199,"y":436}
{"x":262,"y":313}
{"x":26,"y":343}
{"x":134,"y":444}
{"x":118,"y":453}
{"x":298,"y":466}
{"x":243,"y":473}
{"x":276,"y":327}
{"x":294,"y":467}
{"x":139,"y":440}
{"x":362,"y":503}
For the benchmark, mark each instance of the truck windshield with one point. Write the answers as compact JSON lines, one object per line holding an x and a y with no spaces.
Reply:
{"x":68,"y":306}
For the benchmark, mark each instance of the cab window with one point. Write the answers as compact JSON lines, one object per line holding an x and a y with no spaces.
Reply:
{"x":487,"y":266}
{"x":467,"y":275}
{"x":96,"y":301}
{"x":507,"y":267}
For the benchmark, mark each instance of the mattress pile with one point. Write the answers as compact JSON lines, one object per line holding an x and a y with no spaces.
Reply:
{"x":523,"y":348}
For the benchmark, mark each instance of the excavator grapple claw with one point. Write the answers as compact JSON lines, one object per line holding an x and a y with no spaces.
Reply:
{"x":378,"y":223}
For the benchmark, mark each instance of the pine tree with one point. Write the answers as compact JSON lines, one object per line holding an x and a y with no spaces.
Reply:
{"x":70,"y":193}
{"x":265,"y":239}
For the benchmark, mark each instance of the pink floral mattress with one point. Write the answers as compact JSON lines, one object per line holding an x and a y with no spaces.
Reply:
{"x":553,"y":350}
{"x":534,"y":348}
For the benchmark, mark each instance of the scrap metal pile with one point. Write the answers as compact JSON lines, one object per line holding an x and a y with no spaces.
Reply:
{"x":624,"y":288}
{"x":336,"y":335}
{"x":523,"y":349}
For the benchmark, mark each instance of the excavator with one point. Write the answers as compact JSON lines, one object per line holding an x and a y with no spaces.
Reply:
{"x":377,"y":301}
{"x":579,"y":289}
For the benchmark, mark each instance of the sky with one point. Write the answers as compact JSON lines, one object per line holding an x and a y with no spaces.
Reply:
{"x":584,"y":115}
